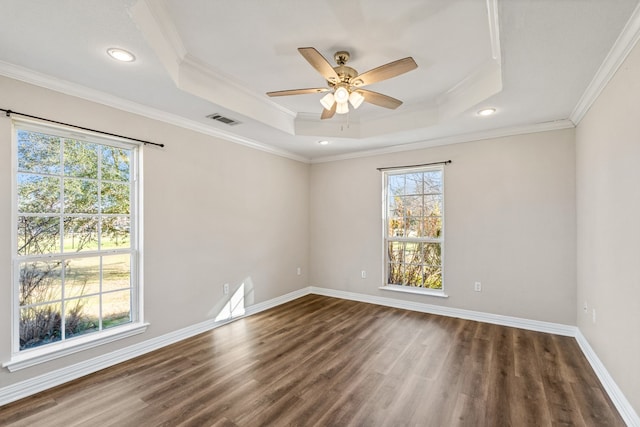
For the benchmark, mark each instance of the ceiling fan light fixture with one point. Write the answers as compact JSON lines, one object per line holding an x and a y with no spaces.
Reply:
{"x":342,"y":108}
{"x":356,"y":99}
{"x":341,"y":95}
{"x":327,"y":101}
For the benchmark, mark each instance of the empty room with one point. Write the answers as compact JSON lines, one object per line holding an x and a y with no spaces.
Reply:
{"x":328,"y":213}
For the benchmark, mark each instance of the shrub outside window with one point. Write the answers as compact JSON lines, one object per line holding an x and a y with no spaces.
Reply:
{"x":414,"y":228}
{"x":75,"y":236}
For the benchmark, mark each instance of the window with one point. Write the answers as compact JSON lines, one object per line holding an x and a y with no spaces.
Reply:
{"x":413,"y":231}
{"x":75,"y":236}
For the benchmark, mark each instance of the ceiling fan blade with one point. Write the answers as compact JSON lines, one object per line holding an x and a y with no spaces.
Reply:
{"x":380,"y":99}
{"x":386,"y":71}
{"x":319,"y":62}
{"x":298,"y":91}
{"x":327,"y":114}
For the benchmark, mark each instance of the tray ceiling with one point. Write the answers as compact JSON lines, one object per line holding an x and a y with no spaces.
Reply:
{"x":532,"y":60}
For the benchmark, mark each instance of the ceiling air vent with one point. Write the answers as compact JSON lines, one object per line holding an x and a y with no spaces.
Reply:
{"x":222,"y":119}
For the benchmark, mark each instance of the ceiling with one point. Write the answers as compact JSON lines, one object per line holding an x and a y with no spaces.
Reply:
{"x":531,"y":60}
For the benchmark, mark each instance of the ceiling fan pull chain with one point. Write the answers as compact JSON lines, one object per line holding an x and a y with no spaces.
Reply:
{"x":342,"y":125}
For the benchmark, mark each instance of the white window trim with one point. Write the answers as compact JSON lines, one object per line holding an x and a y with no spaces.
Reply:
{"x":21,"y":359}
{"x":412,"y":290}
{"x":400,"y":288}
{"x":35,"y":356}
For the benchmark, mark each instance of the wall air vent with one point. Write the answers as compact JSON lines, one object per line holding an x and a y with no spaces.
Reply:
{"x":222,"y":119}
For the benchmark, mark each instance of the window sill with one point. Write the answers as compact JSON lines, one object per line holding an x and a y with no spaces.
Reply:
{"x":412,"y":290}
{"x":28,"y":358}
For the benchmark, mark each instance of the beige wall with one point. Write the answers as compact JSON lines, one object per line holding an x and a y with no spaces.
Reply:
{"x":510,"y":223}
{"x":608,"y":227}
{"x":215,"y":212}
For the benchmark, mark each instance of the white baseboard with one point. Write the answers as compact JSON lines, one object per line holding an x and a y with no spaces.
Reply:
{"x":625,"y":409}
{"x":274,"y":302}
{"x":516,"y":322}
{"x":617,"y":397}
{"x":60,"y":376}
{"x":51,"y":379}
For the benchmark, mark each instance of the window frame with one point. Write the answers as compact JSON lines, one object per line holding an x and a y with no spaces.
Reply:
{"x":31,"y":356}
{"x":385,"y":233}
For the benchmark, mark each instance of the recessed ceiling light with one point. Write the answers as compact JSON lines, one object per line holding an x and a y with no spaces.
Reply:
{"x":121,"y":55}
{"x":323,"y":142}
{"x":486,"y":112}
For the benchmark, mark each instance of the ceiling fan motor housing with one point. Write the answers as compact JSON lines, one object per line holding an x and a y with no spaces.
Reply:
{"x":345,"y":73}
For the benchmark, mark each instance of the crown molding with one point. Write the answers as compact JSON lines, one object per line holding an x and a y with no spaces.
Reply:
{"x":417,"y":115}
{"x":456,"y":139}
{"x":65,"y":87}
{"x":160,"y":13}
{"x":198,"y":78}
{"x":228,"y":81}
{"x":625,"y":42}
{"x":168,"y":44}
{"x":494,"y":29}
{"x":472,"y":91}
{"x":481,"y":84}
{"x":48,"y":82}
{"x":201,"y":80}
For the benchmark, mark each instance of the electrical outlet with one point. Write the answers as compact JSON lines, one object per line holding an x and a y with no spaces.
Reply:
{"x":299,"y":271}
{"x":225,"y":289}
{"x":477,"y":287}
{"x":585,"y":307}
{"x":363,"y":274}
{"x":593,"y":314}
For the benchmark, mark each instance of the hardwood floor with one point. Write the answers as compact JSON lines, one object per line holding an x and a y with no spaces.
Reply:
{"x":320,"y":361}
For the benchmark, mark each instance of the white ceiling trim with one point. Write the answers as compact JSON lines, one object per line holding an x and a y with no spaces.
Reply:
{"x":72,"y":89}
{"x":192,"y":75}
{"x":227,"y":83}
{"x":161,"y":14}
{"x":494,"y":29}
{"x":83,"y":92}
{"x":456,"y":139}
{"x":475,"y":89}
{"x":621,"y":48}
{"x":417,"y":116}
{"x":170,"y":51}
{"x":485,"y":82}
{"x":201,"y":79}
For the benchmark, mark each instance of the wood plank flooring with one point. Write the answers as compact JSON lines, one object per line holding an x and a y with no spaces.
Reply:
{"x":320,"y":361}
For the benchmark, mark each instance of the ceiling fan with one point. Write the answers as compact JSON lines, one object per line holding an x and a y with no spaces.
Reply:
{"x":345,"y":83}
